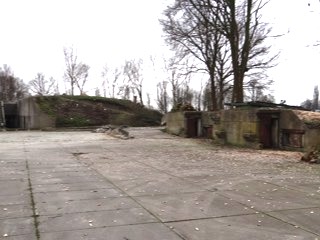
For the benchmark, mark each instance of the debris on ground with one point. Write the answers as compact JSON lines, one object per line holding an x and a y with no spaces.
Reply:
{"x":312,"y":156}
{"x":114,"y":131}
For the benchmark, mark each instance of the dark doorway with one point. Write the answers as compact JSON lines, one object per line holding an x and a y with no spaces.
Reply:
{"x":269,"y":129}
{"x":192,"y":127}
{"x":11,"y":115}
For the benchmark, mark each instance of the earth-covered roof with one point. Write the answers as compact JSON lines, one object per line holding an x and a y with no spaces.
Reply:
{"x":311,"y":119}
{"x":258,"y":104}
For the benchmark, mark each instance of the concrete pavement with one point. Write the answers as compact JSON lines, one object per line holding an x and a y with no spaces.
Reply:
{"x":82,"y":185}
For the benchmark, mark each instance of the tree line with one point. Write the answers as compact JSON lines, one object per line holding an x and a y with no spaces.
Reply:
{"x":312,"y":104}
{"x":219,"y":46}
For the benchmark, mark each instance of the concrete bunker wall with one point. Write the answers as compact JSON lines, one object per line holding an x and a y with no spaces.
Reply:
{"x":175,"y":123}
{"x":31,"y":117}
{"x":296,"y":133}
{"x":237,"y":127}
{"x":186,"y":124}
{"x":253,"y":127}
{"x":311,"y":138}
{"x":292,"y":131}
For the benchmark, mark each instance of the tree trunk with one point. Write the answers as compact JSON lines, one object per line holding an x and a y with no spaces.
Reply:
{"x":72,"y":88}
{"x":213,"y":94}
{"x":240,"y":59}
{"x":140,"y":95}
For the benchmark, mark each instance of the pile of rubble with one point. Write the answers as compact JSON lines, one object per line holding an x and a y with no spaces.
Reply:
{"x":114,"y":131}
{"x":312,"y":156}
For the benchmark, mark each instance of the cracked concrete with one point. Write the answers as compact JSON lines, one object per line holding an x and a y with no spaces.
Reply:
{"x":155,"y":187}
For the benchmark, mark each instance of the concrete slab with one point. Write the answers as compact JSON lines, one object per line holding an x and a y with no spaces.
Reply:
{"x":127,"y":170}
{"x":162,"y":184}
{"x":80,"y":206}
{"x":21,"y":199}
{"x":64,"y":179}
{"x":274,"y":199}
{"x":243,"y":227}
{"x":291,"y":180}
{"x":14,"y":186}
{"x":186,"y":206}
{"x":71,"y":173}
{"x":53,"y":164}
{"x":16,"y":226}
{"x":216,"y":181}
{"x":200,"y":191}
{"x":15,"y":211}
{"x":59,"y":169}
{"x":259,"y":187}
{"x":13,"y":177}
{"x":150,"y":231}
{"x":5,"y":166}
{"x":20,"y":237}
{"x":71,"y":186}
{"x":13,"y":172}
{"x":78,"y":221}
{"x":307,"y":219}
{"x":67,"y":195}
{"x":309,"y":188}
{"x":74,"y":173}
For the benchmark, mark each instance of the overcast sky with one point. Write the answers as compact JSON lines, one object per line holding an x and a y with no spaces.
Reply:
{"x":34,"y":32}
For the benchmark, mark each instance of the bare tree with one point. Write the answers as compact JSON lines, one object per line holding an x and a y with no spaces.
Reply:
{"x":314,"y":103}
{"x":76,"y":72}
{"x":307,"y":104}
{"x":97,"y":92}
{"x":12,"y":88}
{"x":162,"y":97}
{"x":191,"y":32}
{"x":174,"y":78}
{"x":41,"y":86}
{"x":203,"y":27}
{"x":315,"y":100}
{"x":133,"y":71}
{"x":124,"y":92}
{"x":83,"y":72}
{"x":179,"y":70}
{"x":241,"y":25}
{"x":149,"y":100}
{"x":106,"y":80}
{"x":206,"y":99}
{"x":256,"y":87}
{"x":110,"y":81}
{"x":224,"y":73}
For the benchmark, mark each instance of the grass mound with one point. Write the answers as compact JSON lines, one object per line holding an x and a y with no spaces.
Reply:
{"x":82,"y":111}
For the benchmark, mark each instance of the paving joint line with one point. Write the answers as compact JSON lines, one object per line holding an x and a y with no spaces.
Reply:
{"x":33,"y":206}
{"x":214,"y":217}
{"x":267,"y":213}
{"x":70,"y":213}
{"x":132,"y":198}
{"x":294,"y":225}
{"x":292,"y":209}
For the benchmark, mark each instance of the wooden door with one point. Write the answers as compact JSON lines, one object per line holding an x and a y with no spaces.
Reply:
{"x":266,"y":130}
